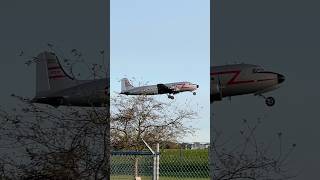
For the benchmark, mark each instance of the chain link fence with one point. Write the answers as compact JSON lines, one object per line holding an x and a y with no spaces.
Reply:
{"x":173,"y":164}
{"x":126,"y":165}
{"x":176,"y":164}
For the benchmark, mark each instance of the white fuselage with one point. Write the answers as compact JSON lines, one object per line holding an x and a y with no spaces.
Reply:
{"x":239,"y":79}
{"x":169,"y":88}
{"x":86,"y":93}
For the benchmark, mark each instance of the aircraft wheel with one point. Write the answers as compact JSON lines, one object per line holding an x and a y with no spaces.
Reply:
{"x":170,"y":97}
{"x":194,"y":93}
{"x":270,"y":101}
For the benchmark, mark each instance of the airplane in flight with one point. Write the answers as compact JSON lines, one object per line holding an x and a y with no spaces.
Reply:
{"x":55,"y":87}
{"x":240,"y":79}
{"x":169,"y":88}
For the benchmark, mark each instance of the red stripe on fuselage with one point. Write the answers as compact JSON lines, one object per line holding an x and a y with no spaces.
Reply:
{"x":181,"y":86}
{"x":233,"y":79}
{"x":56,"y":77}
{"x":259,"y":80}
{"x":236,"y":74}
{"x":55,"y":67}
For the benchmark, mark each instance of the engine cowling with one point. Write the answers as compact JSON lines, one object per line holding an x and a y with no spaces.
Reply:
{"x":216,"y":92}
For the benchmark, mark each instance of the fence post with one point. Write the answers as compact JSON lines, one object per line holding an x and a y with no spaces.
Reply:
{"x":154,"y":175}
{"x":158,"y":161}
{"x":155,"y":165}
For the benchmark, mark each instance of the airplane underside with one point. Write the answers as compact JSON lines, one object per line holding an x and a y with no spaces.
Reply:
{"x":81,"y":102}
{"x":269,"y":101}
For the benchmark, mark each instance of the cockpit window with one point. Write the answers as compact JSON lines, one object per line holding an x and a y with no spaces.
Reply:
{"x":257,"y":70}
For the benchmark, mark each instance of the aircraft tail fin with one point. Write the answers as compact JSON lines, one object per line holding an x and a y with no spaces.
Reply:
{"x":125,"y":85}
{"x":50,"y":76}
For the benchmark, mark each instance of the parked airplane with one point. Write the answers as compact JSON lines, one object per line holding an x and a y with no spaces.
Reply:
{"x":55,"y":87}
{"x":170,"y":88}
{"x":240,"y":79}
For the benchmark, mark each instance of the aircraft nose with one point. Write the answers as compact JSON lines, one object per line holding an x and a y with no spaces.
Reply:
{"x":281,"y":78}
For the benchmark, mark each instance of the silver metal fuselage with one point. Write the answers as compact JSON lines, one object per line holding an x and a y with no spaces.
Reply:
{"x":154,"y":89}
{"x":85,"y":93}
{"x":239,"y":79}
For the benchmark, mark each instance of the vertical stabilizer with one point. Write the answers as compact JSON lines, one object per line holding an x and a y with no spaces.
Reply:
{"x":125,"y":85}
{"x":50,"y":76}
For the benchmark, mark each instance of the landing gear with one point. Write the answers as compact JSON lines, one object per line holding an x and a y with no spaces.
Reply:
{"x":270,"y":101}
{"x":194,"y":93}
{"x":170,"y":96}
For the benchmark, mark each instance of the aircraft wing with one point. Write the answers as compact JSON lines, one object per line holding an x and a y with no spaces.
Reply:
{"x":53,"y":101}
{"x":163,"y":89}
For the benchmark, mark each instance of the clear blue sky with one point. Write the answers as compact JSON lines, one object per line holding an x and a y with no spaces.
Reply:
{"x":161,"y":42}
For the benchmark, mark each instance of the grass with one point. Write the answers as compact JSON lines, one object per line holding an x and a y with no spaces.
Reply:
{"x":184,"y":163}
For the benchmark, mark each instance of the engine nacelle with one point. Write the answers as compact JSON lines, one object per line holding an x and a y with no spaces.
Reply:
{"x":216,"y":93}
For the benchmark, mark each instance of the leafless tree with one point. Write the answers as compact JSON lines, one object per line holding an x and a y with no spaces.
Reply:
{"x":46,"y":142}
{"x":143,"y":117}
{"x":248,"y":157}
{"x":42,"y":142}
{"x":136,"y":117}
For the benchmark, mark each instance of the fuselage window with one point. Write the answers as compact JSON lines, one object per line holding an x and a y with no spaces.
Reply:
{"x":257,"y":70}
